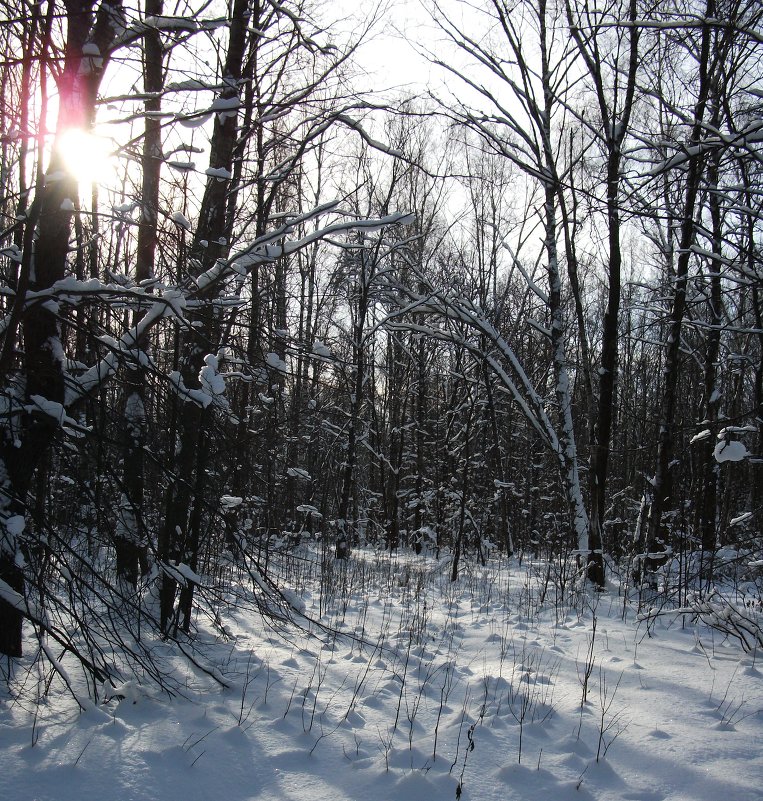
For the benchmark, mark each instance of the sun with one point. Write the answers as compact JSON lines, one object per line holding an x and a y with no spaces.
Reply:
{"x":87,"y":156}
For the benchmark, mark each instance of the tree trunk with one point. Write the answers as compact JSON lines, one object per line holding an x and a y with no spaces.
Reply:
{"x":210,"y":243}
{"x":662,"y":484}
{"x":22,"y":449}
{"x":131,"y":538}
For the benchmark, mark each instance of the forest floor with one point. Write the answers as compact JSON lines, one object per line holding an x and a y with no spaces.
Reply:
{"x":497,"y":686}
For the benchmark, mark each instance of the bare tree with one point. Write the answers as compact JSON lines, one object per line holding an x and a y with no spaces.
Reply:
{"x":526,"y":133}
{"x":611,"y":62}
{"x":710,"y":46}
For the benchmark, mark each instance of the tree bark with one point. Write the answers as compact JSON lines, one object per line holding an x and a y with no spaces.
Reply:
{"x":131,"y":538}
{"x":210,"y":243}
{"x":662,"y":484}
{"x":22,"y":450}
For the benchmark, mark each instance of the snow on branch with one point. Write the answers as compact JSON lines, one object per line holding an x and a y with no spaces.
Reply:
{"x":518,"y":264}
{"x":720,"y":614}
{"x":747,"y":138}
{"x":165,"y":24}
{"x":174,"y":301}
{"x":276,"y":244}
{"x":367,"y":138}
{"x":464,"y":311}
{"x":171,"y":304}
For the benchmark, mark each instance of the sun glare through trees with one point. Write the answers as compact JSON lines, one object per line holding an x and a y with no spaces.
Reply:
{"x":87,"y":157}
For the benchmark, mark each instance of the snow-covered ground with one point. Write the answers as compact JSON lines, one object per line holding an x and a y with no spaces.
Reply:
{"x":418,"y":689}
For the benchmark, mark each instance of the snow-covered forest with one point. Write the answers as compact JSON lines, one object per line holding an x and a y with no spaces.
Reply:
{"x":381,"y":399}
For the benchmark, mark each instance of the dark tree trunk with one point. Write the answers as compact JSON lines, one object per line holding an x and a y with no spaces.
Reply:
{"x":708,"y":501}
{"x":210,"y":243}
{"x":662,"y":484}
{"x":131,"y":538}
{"x":43,"y":369}
{"x":615,"y":115}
